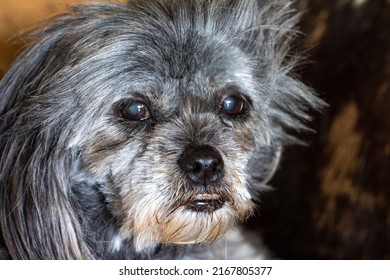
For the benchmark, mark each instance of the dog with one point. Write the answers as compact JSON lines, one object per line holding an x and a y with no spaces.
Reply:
{"x":147,"y":130}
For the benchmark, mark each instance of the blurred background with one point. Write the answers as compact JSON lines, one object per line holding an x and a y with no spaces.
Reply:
{"x":331,"y":200}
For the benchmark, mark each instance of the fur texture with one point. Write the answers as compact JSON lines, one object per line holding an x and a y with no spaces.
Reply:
{"x":102,"y":117}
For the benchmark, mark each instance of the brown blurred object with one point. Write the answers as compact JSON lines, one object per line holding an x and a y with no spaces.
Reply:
{"x":17,"y":17}
{"x":331,"y":199}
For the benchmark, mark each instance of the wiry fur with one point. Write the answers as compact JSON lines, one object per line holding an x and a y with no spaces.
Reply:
{"x":77,"y":181}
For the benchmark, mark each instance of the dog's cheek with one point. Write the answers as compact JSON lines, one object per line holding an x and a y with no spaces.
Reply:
{"x":110,"y":154}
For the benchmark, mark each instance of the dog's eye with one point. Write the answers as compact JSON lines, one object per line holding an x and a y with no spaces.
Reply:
{"x":136,"y":111}
{"x":233,"y":105}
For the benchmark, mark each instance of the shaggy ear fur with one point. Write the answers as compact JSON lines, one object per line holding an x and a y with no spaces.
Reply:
{"x":36,"y":218}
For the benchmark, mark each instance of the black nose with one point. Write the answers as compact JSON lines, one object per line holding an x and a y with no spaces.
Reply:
{"x":202,"y":164}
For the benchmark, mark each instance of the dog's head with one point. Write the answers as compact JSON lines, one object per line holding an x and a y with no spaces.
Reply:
{"x":177,"y":110}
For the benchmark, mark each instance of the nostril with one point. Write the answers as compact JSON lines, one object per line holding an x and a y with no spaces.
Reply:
{"x":197,"y":168}
{"x":202,"y":164}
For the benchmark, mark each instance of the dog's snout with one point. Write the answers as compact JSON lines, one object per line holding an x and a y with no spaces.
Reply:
{"x":202,"y":164}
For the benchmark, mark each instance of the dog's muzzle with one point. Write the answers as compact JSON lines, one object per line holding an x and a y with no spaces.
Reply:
{"x":203,"y":167}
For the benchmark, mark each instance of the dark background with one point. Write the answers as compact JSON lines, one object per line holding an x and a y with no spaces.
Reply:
{"x":331,"y":200}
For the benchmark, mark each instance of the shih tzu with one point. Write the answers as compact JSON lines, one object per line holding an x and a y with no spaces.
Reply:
{"x":147,"y":130}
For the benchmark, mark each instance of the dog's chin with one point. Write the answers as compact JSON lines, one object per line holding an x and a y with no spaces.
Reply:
{"x":202,"y":219}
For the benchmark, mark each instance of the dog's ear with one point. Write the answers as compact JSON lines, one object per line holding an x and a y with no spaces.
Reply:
{"x":20,"y":81}
{"x":37,"y":216}
{"x":37,"y":220}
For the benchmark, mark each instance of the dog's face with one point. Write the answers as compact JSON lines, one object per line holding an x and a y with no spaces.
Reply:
{"x":173,"y":127}
{"x":175,"y":109}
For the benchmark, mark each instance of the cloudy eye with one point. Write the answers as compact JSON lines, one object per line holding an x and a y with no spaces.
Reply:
{"x":233,"y":105}
{"x":135,"y":111}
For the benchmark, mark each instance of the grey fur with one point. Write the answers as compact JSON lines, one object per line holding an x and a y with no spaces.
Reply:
{"x":78,"y":181}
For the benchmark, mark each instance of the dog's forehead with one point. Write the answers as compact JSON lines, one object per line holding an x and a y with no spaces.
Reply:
{"x":138,"y":53}
{"x":196,"y":65}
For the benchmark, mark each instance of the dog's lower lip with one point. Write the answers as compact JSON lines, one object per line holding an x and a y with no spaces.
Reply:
{"x":206,"y":203}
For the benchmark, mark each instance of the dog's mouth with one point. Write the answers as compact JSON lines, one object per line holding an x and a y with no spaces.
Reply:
{"x":206,"y":203}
